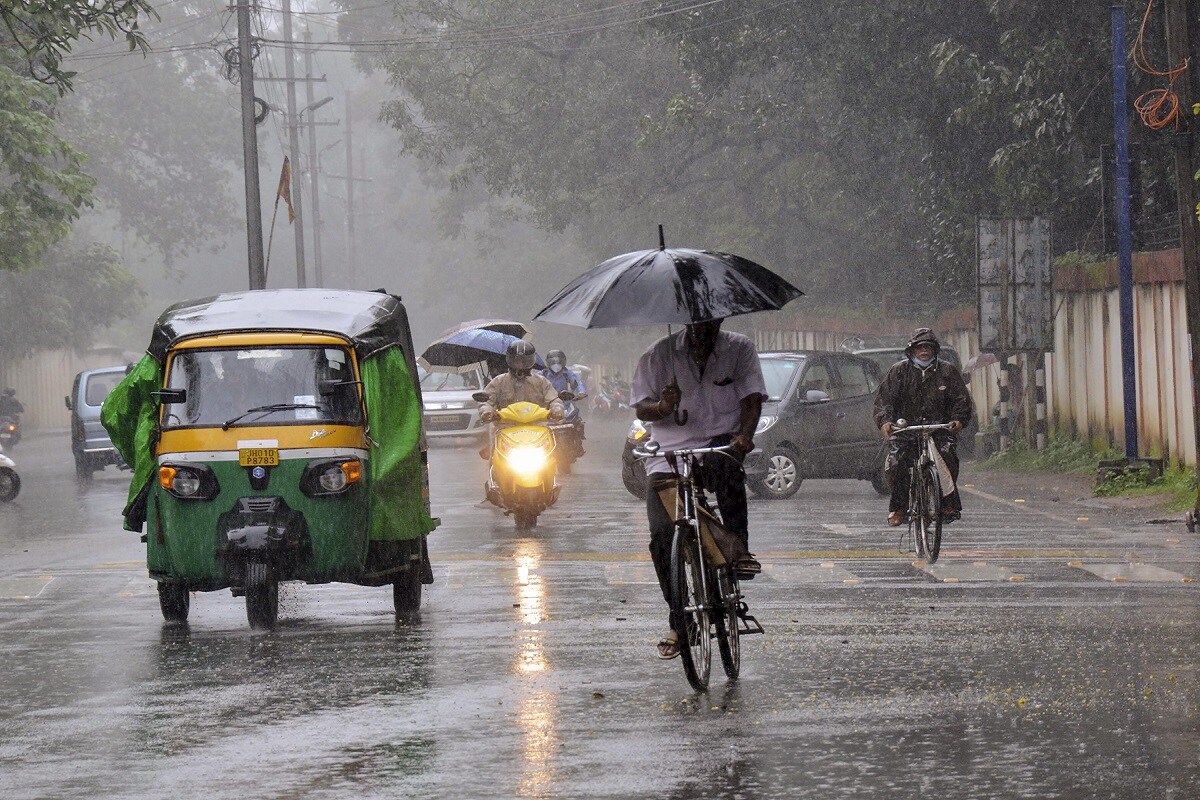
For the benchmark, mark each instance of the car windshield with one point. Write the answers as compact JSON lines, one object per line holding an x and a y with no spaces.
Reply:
{"x":449,"y":381}
{"x":777,"y":373}
{"x":99,"y":386}
{"x":283,"y":383}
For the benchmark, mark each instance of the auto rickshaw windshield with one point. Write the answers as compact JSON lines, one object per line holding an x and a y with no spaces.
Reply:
{"x":222,"y":384}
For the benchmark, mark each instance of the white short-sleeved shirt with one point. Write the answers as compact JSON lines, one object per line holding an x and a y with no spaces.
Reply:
{"x":712,"y":398}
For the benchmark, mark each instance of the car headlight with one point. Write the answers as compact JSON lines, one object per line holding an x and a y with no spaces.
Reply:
{"x":188,"y":482}
{"x":526,"y":461}
{"x":765,"y":423}
{"x":331,"y":476}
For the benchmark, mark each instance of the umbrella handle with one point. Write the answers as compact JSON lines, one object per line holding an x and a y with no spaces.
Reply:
{"x":681,"y":416}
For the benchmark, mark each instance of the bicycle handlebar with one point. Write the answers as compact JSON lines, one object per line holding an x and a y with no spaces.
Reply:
{"x":939,"y":426}
{"x":640,"y":452}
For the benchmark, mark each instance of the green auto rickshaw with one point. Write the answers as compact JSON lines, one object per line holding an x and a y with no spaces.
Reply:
{"x":276,"y":436}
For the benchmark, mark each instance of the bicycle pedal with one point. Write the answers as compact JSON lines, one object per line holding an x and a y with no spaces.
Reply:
{"x":749,"y":625}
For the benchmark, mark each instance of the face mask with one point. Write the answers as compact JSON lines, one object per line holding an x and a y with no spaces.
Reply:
{"x":556,"y":368}
{"x":922,"y":362}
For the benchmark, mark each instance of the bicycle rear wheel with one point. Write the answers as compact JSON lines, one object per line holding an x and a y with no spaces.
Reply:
{"x":688,"y":601}
{"x":725,"y":618}
{"x":931,"y":507}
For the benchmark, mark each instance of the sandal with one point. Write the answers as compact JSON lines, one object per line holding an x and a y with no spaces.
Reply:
{"x":668,"y":646}
{"x":895,"y":518}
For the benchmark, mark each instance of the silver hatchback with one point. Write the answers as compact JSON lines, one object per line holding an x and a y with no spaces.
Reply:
{"x":449,"y":410}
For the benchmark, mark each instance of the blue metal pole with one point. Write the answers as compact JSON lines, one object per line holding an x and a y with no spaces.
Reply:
{"x":1124,"y":238}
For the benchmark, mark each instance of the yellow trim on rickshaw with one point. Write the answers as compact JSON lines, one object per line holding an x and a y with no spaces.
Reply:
{"x":289,"y":437}
{"x":260,"y":339}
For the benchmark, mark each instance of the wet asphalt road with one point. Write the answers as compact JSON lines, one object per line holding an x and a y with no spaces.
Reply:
{"x":1052,"y":652}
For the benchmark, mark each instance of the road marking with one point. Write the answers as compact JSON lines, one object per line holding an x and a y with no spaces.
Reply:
{"x":630,"y":575}
{"x":810,"y":572}
{"x":960,"y":571}
{"x":24,"y":588}
{"x":839,"y":528}
{"x":1120,"y":573}
{"x":139,"y":587}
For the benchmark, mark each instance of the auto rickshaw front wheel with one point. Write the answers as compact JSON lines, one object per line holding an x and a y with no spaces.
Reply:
{"x":175,"y":600}
{"x":406,"y":592}
{"x":262,"y":595}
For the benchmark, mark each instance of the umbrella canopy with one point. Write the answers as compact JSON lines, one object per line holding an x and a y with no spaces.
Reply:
{"x":466,"y":350}
{"x":666,"y":287}
{"x":980,"y":360}
{"x":506,"y":326}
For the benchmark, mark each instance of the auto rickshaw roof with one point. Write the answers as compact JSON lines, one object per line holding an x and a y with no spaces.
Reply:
{"x":370,"y":320}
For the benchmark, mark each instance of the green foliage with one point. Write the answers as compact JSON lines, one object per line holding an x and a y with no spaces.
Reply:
{"x":1178,"y":483}
{"x":45,"y":32}
{"x":78,"y":291}
{"x":1061,"y":454}
{"x":44,"y":186}
{"x":847,"y":144}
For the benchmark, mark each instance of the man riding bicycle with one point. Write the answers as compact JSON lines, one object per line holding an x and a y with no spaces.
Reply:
{"x":921,"y":389}
{"x":715,"y":378}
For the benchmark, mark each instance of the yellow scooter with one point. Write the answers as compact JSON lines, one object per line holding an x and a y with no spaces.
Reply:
{"x":521,"y":479}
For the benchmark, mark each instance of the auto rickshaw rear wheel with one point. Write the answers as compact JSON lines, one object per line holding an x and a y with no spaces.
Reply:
{"x":406,"y":592}
{"x":175,"y":600}
{"x":262,"y":595}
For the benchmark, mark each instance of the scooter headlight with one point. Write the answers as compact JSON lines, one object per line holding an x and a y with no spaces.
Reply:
{"x":527,"y":461}
{"x":190,"y":482}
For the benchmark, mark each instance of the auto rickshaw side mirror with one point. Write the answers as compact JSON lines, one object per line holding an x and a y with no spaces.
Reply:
{"x":481,"y":397}
{"x":170,"y":396}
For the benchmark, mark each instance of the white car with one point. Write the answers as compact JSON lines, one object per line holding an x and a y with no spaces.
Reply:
{"x":449,"y":410}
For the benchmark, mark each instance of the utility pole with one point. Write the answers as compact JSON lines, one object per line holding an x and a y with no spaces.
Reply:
{"x":318,"y":272}
{"x":1124,"y":238}
{"x":1179,"y":51}
{"x":352,"y":250}
{"x":293,"y":125}
{"x":254,"y":238}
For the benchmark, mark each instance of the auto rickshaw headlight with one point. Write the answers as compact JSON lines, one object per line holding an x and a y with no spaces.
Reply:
{"x":331,"y":477}
{"x":190,"y":482}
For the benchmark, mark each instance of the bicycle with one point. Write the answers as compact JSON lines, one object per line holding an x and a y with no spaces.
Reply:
{"x":924,"y":513}
{"x":704,"y":581}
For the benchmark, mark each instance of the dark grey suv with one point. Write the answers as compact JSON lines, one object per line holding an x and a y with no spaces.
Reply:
{"x":816,"y":423}
{"x":90,"y":444}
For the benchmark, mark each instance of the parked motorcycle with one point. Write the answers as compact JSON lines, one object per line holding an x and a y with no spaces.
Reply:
{"x":522,"y":476}
{"x":10,"y":432}
{"x":10,"y":481}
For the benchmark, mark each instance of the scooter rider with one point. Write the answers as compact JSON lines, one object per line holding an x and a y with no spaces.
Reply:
{"x":10,"y":406}
{"x":563,"y":378}
{"x":520,"y":383}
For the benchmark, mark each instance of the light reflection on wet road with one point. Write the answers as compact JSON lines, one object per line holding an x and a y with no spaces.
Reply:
{"x":531,"y":673}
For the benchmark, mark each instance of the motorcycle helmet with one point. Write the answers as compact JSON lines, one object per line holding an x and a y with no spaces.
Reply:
{"x":520,"y":357}
{"x":556,"y":360}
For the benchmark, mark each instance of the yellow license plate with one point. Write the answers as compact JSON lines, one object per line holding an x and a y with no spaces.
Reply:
{"x":258,"y":456}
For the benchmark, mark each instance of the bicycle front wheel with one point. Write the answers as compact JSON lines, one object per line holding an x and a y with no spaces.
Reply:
{"x":931,"y":513}
{"x":725,"y":618}
{"x":689,"y":603}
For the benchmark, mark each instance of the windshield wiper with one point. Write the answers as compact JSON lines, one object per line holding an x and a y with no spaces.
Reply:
{"x":267,"y":410}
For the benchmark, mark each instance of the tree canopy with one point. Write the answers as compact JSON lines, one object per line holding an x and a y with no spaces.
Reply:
{"x":848,"y":144}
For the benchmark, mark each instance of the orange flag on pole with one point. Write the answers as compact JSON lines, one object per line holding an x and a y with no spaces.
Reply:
{"x":285,"y":188}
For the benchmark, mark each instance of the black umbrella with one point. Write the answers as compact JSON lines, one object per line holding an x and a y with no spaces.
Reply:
{"x":675,"y":286}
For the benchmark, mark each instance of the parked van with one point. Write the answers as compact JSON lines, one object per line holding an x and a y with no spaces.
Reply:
{"x":90,"y":444}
